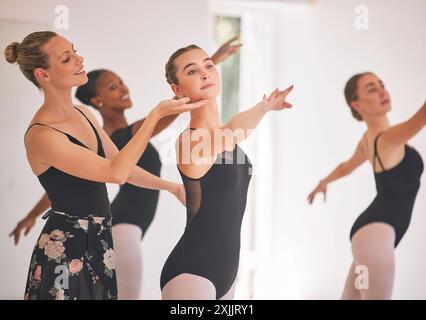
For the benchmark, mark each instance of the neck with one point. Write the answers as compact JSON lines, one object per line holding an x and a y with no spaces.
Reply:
{"x":113,"y":119}
{"x":59,"y":102}
{"x":377,"y":124}
{"x":205,"y":117}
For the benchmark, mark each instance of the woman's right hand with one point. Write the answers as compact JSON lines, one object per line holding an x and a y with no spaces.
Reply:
{"x":175,"y":106}
{"x":27,"y":223}
{"x":178,"y":190}
{"x":321,"y":187}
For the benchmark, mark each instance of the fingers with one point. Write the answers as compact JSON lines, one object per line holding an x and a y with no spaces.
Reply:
{"x":233,"y":39}
{"x":286,"y":105}
{"x":17,"y":235}
{"x":235,"y":48}
{"x":273,"y":94}
{"x":27,"y":230}
{"x":195,"y":105}
{"x":182,"y":105}
{"x":182,"y":196}
{"x":287,"y":91}
{"x":311,"y":198}
{"x":181,"y":101}
{"x":184,"y":200}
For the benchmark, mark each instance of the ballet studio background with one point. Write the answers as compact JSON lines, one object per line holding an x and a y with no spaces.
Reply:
{"x":290,"y":250}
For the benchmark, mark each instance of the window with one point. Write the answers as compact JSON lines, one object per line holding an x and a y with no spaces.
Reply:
{"x":225,"y":28}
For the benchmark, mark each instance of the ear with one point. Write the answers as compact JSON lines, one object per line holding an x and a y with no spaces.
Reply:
{"x":355,"y":106}
{"x":177,"y":91}
{"x":95,"y":101}
{"x":41,"y":75}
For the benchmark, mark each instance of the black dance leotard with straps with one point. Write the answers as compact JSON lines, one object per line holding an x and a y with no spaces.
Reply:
{"x":133,"y":204}
{"x":78,"y":232}
{"x":396,"y":193}
{"x":73,"y":195}
{"x":210,"y":244}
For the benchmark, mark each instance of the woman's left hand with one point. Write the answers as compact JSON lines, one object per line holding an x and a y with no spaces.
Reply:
{"x":226,"y":50}
{"x":179,"y":192}
{"x":277,"y":100}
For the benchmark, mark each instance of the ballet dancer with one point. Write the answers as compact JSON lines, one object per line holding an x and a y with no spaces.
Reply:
{"x":216,"y":174}
{"x":397,"y":169}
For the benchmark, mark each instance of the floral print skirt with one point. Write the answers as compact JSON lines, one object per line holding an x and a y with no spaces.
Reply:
{"x":73,"y":259}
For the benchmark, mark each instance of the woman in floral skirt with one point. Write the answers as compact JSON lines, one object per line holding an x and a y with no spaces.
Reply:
{"x":73,"y":158}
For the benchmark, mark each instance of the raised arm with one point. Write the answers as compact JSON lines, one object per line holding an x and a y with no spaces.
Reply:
{"x":137,"y":176}
{"x":161,"y":125}
{"x":239,"y":126}
{"x":399,"y":134}
{"x":226,"y":50}
{"x":52,"y":148}
{"x":342,"y":170}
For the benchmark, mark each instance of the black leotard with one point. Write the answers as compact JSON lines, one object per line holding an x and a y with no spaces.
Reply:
{"x":73,"y":195}
{"x":133,"y":204}
{"x":78,"y":231}
{"x":210,"y":244}
{"x":396,"y":193}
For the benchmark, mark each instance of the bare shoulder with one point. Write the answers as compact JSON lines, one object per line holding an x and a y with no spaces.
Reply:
{"x":42,"y":135}
{"x":88,"y":113}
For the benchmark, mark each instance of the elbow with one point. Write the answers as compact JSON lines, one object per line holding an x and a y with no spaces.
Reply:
{"x":118,"y":180}
{"x":118,"y":177}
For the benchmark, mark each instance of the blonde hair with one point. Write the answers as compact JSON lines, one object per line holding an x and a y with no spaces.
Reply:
{"x":28,"y":54}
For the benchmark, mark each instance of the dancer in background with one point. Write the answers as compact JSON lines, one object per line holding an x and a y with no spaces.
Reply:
{"x":397,"y":169}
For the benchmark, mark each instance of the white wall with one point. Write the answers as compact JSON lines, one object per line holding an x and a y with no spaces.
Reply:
{"x":133,"y":38}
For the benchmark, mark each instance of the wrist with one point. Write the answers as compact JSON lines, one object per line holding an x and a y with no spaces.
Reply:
{"x":262,"y":107}
{"x":155,"y":114}
{"x":171,"y":187}
{"x":33,"y":214}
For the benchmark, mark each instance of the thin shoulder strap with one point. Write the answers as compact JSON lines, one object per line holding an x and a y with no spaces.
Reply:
{"x":376,"y":154}
{"x":45,"y":125}
{"x":93,"y":127}
{"x":187,"y":130}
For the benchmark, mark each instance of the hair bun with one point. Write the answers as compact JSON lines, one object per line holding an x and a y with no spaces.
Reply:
{"x":11,"y":52}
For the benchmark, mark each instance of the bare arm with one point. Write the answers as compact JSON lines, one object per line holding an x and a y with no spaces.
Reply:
{"x":52,"y":148}
{"x":138,"y":176}
{"x":241,"y":125}
{"x":41,"y":206}
{"x":161,"y":125}
{"x":342,"y":170}
{"x":29,"y":221}
{"x":214,"y":141}
{"x":226,"y":50}
{"x":399,"y":134}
